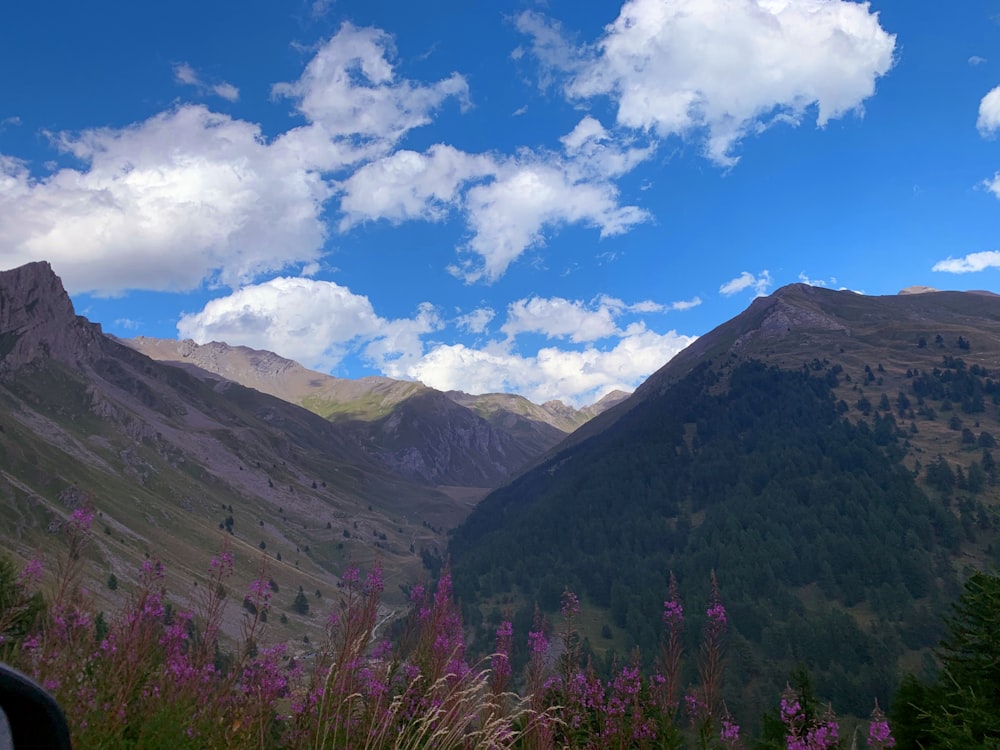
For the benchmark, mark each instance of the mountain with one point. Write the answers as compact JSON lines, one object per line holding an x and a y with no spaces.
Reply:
{"x":427,"y":436}
{"x":827,"y":454}
{"x":177,"y":465}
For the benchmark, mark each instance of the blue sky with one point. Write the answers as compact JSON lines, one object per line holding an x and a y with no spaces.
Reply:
{"x":549,"y":198}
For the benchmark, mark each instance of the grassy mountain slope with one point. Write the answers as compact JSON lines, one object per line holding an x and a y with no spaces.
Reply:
{"x":177,"y":465}
{"x":826,"y":453}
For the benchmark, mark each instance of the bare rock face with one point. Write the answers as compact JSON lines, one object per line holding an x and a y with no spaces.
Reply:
{"x":37,"y":321}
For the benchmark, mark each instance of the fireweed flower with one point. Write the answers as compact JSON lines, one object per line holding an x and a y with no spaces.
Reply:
{"x":501,"y":659}
{"x":570,"y":604}
{"x":673,"y":613}
{"x":537,"y":642}
{"x":790,"y":709}
{"x":81,"y":519}
{"x":374,"y":584}
{"x":31,"y":573}
{"x":730,"y":734}
{"x":694,"y":707}
{"x":223,"y":563}
{"x":879,"y":734}
{"x":716,"y":614}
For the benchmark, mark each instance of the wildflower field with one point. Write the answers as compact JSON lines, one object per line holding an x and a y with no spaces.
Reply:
{"x":153,"y":676}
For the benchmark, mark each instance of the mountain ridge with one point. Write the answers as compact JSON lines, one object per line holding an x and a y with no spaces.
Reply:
{"x":827,"y":454}
{"x":448,"y":438}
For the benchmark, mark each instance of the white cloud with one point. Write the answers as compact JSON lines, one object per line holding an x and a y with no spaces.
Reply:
{"x":477,"y":320}
{"x":399,"y":344}
{"x":575,"y":376}
{"x":407,"y":185}
{"x":185,"y":196}
{"x":319,"y":8}
{"x":509,"y":203}
{"x":977,"y":60}
{"x":312,"y":322}
{"x":191,"y":196}
{"x":596,"y":151}
{"x":556,"y":317}
{"x":971,"y":263}
{"x":989,"y":113}
{"x":804,"y":278}
{"x":318,"y":323}
{"x":185,"y":74}
{"x":727,"y":68}
{"x":511,"y":213}
{"x":550,"y":45}
{"x":682,"y":305}
{"x":350,"y":88}
{"x":746,"y":280}
{"x":993,"y":185}
{"x":227,"y":91}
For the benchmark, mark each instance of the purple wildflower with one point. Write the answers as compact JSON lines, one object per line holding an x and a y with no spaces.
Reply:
{"x":673,"y":613}
{"x":570,"y":604}
{"x":716,"y":614}
{"x":537,"y":642}
{"x":730,"y":734}
{"x":31,"y":573}
{"x":879,"y":734}
{"x":81,"y":519}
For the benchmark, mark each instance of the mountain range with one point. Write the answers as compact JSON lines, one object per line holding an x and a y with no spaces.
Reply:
{"x":222,"y":445}
{"x":828,"y":455}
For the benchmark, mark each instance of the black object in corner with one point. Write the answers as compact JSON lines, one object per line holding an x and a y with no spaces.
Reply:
{"x":35,"y":719}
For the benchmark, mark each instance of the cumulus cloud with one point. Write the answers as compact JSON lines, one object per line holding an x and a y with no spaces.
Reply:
{"x":993,"y":184}
{"x":185,"y":196}
{"x":191,"y":196}
{"x":185,"y":74}
{"x":575,"y":376}
{"x":350,"y":88}
{"x":408,"y":185}
{"x":723,"y":68}
{"x":682,"y":305}
{"x":318,"y":323}
{"x":555,"y":317}
{"x":476,"y":321}
{"x":989,"y":113}
{"x":528,"y":197}
{"x":597,"y":151}
{"x":971,"y":263}
{"x":746,"y":280}
{"x":509,"y":203}
{"x":312,"y":322}
{"x":977,"y":60}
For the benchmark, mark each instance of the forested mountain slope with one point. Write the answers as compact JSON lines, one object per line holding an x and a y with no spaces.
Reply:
{"x":827,"y":454}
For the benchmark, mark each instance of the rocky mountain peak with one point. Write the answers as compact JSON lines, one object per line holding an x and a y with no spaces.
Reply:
{"x":37,"y":320}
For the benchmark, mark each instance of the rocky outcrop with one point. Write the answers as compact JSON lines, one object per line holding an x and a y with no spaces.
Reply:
{"x":37,"y":321}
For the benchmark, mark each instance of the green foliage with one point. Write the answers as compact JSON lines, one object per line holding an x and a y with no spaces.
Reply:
{"x":960,"y":709}
{"x":764,"y":483}
{"x":20,"y":608}
{"x":301,"y":603}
